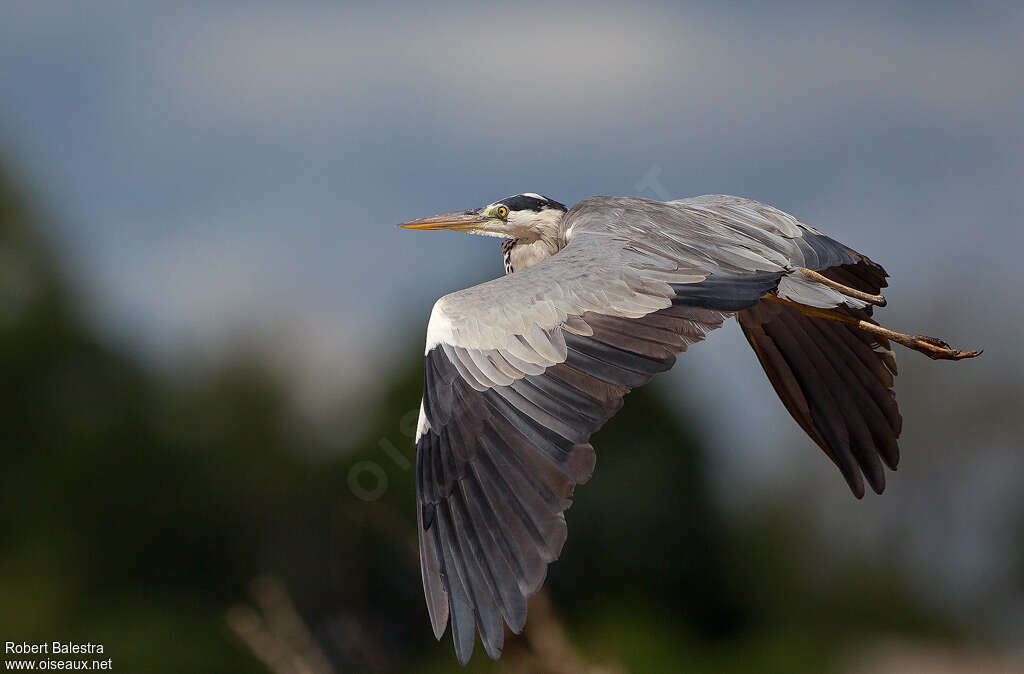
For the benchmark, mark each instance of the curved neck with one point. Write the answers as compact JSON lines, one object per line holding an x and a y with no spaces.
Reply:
{"x":522,"y":253}
{"x":536,"y":237}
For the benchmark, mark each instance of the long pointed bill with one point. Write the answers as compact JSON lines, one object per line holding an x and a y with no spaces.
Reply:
{"x":460,"y":221}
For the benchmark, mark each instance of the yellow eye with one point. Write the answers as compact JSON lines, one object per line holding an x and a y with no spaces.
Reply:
{"x":501,"y":212}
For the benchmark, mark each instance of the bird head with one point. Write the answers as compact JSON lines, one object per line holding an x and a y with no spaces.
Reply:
{"x":523,"y":216}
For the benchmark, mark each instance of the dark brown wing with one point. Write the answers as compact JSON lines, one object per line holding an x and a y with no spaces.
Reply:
{"x":835,"y":380}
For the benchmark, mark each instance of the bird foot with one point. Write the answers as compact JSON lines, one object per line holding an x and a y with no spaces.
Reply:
{"x":937,"y":349}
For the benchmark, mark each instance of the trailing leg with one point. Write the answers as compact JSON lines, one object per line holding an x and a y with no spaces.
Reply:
{"x":934,"y":348}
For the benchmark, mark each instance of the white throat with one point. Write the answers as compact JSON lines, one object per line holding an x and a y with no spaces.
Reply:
{"x":528,"y":253}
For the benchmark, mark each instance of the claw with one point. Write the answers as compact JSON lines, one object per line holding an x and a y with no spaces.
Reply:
{"x":952,"y":354}
{"x":937,"y":349}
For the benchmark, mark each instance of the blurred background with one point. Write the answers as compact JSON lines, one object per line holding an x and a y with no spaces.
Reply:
{"x":212,"y":333}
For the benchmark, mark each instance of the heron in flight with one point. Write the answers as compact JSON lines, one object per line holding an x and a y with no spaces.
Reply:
{"x":597,"y":299}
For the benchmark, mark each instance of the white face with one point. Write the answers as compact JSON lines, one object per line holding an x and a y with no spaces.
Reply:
{"x":525,"y":223}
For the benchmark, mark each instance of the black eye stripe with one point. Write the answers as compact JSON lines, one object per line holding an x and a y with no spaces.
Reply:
{"x":522,"y":202}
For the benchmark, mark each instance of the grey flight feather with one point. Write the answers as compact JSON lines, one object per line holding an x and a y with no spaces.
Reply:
{"x":521,"y":370}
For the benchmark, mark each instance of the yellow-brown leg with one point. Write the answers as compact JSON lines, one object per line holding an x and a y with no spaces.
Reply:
{"x":932,"y":347}
{"x":877,"y":300}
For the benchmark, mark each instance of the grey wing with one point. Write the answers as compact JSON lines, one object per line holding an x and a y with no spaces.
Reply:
{"x":729,"y":235}
{"x":519,"y":372}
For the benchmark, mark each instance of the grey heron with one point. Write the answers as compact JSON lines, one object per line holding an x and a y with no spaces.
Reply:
{"x":596,"y":299}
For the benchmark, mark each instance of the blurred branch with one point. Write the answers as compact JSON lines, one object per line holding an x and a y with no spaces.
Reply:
{"x":899,"y":655}
{"x":276,"y":633}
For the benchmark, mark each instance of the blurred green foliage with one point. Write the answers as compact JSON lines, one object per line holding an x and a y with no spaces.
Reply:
{"x":136,"y":507}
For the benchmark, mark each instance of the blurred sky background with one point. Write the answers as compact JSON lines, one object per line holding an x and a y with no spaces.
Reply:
{"x":226,"y":171}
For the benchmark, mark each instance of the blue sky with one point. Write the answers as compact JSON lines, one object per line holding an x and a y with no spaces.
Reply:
{"x":230,"y":167}
{"x":235,"y":168}
{"x":219,"y":161}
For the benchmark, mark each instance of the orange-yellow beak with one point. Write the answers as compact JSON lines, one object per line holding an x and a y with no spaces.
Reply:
{"x":460,"y":221}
